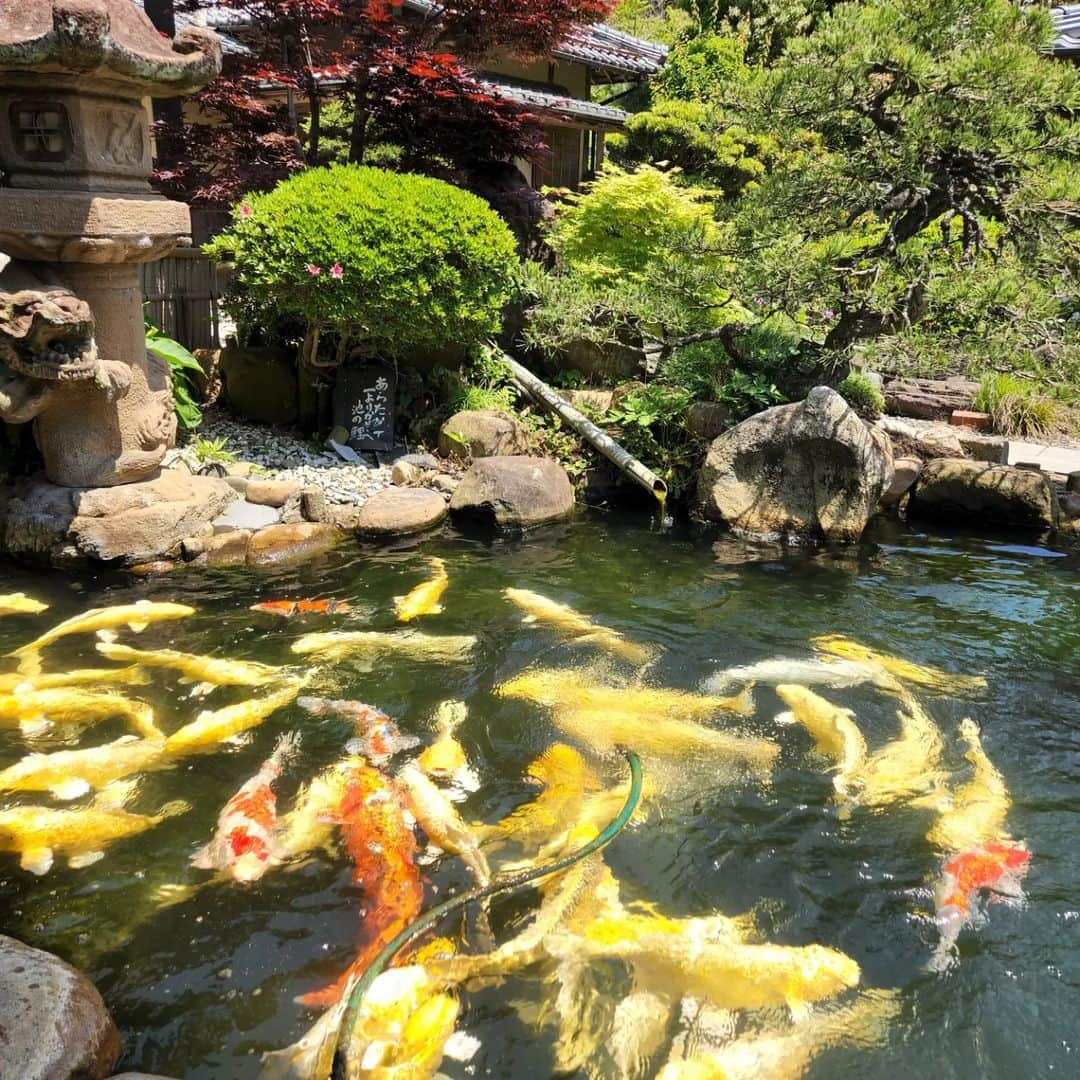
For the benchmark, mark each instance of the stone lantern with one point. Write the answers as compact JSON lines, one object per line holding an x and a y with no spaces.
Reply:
{"x":76,"y":216}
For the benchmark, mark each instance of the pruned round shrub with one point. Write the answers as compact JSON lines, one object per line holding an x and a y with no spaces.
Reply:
{"x":862,"y":395}
{"x":388,"y":263}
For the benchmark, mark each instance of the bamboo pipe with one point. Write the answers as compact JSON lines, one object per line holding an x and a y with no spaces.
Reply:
{"x":597,"y":439}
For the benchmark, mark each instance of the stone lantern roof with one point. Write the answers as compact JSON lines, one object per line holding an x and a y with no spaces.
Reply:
{"x":110,"y":41}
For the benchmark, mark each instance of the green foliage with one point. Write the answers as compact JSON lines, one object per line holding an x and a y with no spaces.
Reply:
{"x":749,"y":392}
{"x":650,"y":424}
{"x":624,"y":220}
{"x":653,"y":20}
{"x":212,"y":452}
{"x":387,"y":263}
{"x":707,"y":69}
{"x":685,"y":135}
{"x":182,"y":366}
{"x":1017,"y":407}
{"x":335,"y":131}
{"x":862,"y":395}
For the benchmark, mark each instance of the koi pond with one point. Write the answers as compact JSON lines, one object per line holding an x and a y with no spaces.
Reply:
{"x":933,"y":861}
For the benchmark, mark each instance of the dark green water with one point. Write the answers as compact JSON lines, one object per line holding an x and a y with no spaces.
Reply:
{"x":201,"y":989}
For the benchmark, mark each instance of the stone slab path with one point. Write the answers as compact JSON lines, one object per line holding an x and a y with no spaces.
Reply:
{"x":1055,"y":459}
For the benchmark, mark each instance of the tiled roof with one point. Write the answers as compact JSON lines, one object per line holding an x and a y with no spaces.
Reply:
{"x":544,"y":102}
{"x":605,"y":47}
{"x":1067,"y":24}
{"x":216,"y":19}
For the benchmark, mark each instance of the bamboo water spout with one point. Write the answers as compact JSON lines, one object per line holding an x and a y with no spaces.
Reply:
{"x":594,"y":436}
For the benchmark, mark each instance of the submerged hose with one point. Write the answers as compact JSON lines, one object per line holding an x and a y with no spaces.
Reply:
{"x":504,"y":885}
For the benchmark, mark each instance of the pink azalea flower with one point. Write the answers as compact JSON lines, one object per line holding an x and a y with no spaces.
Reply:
{"x":314,"y":270}
{"x":336,"y":272}
{"x":245,"y":210}
{"x":830,"y":314}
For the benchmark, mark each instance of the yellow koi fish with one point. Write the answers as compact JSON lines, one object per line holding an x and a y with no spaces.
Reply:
{"x":21,"y":604}
{"x":436,"y":815}
{"x":137,"y":617}
{"x":942,"y":682}
{"x":68,"y":774}
{"x":212,"y":727}
{"x":35,"y":710}
{"x":787,"y":1055}
{"x":607,"y":730}
{"x":566,"y":780}
{"x":907,"y":766}
{"x":834,"y":732}
{"x":196,"y":669}
{"x":569,"y":688}
{"x":424,"y":598}
{"x":310,"y":824}
{"x":445,"y":758}
{"x":125,"y":676}
{"x":540,"y":609}
{"x":974,"y":813}
{"x":346,"y":645}
{"x":38,"y":833}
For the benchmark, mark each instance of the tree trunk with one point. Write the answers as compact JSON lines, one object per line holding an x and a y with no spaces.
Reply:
{"x":361,"y":114}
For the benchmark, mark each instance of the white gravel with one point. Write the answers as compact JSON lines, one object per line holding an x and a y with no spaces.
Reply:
{"x":286,"y":456}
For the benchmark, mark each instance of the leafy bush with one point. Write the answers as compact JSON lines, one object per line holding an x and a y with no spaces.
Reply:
{"x":649,"y":423}
{"x":862,"y":395}
{"x":1016,"y":407}
{"x":386,"y":263}
{"x":624,"y":220}
{"x":705,"y":68}
{"x":691,"y":137}
{"x":182,"y":365}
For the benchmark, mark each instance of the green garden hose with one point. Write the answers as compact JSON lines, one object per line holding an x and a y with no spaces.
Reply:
{"x":496,"y":888}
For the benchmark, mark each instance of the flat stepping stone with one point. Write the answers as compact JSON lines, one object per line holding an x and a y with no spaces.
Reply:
{"x":400,"y":512}
{"x":246,"y":515}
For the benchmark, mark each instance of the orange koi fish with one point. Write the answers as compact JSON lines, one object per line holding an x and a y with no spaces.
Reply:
{"x":383,"y":849}
{"x":996,"y":866}
{"x":242,"y":847}
{"x":378,"y":738}
{"x":288,"y":608}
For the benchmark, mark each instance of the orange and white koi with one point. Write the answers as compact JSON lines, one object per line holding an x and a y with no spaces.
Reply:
{"x":377,"y":737}
{"x":288,"y":608}
{"x":997,"y":867}
{"x":243,"y":843}
{"x":383,"y":847}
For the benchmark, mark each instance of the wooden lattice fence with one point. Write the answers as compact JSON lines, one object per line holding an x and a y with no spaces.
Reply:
{"x":181,"y":295}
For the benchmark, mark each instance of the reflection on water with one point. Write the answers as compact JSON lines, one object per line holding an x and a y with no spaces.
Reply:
{"x":202,"y":986}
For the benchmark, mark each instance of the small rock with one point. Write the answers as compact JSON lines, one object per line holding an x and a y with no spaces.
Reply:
{"x":158,"y":566}
{"x":905,"y":472}
{"x":289,"y":543}
{"x":421,"y":461}
{"x":271,"y":492}
{"x":53,"y":1023}
{"x":246,"y":515}
{"x":514,"y":492}
{"x":444,"y":483}
{"x":344,"y":516}
{"x":239,"y":484}
{"x":405,"y":474}
{"x":192,"y":547}
{"x":968,"y":418}
{"x":228,"y":549}
{"x":1070,"y":505}
{"x":595,"y":401}
{"x":291,"y":512}
{"x":927,"y":443}
{"x":708,"y":419}
{"x":974,"y":493}
{"x":992,"y":448}
{"x":1030,"y":466}
{"x":1072,"y":482}
{"x":313,"y":504}
{"x":241,"y":470}
{"x":401,"y":512}
{"x":481,"y":433}
{"x":929,"y":399}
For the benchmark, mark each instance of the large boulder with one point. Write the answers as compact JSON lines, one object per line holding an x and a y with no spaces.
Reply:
{"x":133,"y":523}
{"x":808,"y":471}
{"x":260,"y":384}
{"x":53,"y":1023}
{"x":481,"y":433}
{"x":401,"y":512}
{"x":929,"y":399}
{"x":514,"y":492}
{"x":974,"y":492}
{"x":296,"y":542}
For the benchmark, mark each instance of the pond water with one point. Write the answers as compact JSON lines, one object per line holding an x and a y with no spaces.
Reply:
{"x":201,"y":988}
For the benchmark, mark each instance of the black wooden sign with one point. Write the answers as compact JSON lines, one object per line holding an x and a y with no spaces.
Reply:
{"x":364,"y":405}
